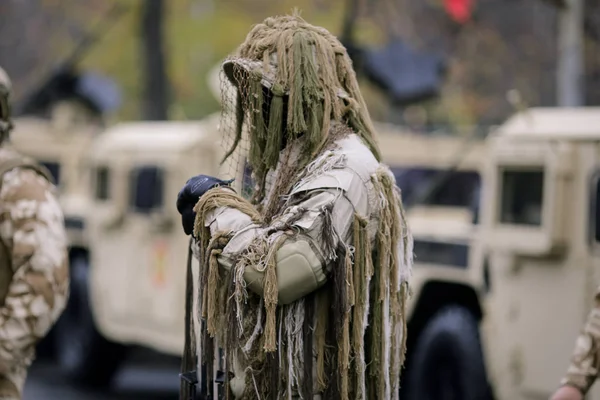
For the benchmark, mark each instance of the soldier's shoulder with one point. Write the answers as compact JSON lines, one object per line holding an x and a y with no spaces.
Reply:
{"x":358,"y":156}
{"x":26,"y":184}
{"x":19,"y":172}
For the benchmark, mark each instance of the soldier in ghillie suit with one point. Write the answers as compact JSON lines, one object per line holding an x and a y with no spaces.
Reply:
{"x":302,"y":288}
{"x":34,"y":275}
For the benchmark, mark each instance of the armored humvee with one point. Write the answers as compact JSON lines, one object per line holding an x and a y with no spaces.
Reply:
{"x":538,"y":245}
{"x":128,"y":285}
{"x":533,"y":261}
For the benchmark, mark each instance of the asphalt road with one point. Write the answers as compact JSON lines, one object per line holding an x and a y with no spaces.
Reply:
{"x":147,"y":377}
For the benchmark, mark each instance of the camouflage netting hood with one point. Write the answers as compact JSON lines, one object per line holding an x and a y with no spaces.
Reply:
{"x":293,"y":79}
{"x":296,"y":101}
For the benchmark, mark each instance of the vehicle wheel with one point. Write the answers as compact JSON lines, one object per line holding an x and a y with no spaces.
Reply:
{"x":447,"y":362}
{"x":83,"y":355}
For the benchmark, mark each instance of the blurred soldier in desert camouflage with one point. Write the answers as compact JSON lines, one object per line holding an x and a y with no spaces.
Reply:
{"x":34,"y":274}
{"x":585,"y":361}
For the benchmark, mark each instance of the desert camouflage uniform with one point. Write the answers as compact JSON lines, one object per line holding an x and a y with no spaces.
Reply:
{"x":32,"y":228}
{"x":585,"y":362}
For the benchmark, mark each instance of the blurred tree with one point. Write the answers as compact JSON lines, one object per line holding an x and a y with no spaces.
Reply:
{"x":24,"y":47}
{"x":504,"y":45}
{"x":36,"y":34}
{"x":156,"y":98}
{"x":65,"y":81}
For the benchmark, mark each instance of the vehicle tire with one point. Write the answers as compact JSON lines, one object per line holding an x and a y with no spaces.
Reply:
{"x":83,"y":355}
{"x":447,"y":362}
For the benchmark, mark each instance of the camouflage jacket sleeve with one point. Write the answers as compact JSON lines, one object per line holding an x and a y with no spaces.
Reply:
{"x":320,"y":215}
{"x":585,"y":361}
{"x":32,"y":228}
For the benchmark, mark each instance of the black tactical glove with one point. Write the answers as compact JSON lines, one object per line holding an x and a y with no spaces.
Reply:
{"x":190,"y":194}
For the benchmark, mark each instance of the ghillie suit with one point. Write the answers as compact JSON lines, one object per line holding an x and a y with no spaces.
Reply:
{"x":322,"y":245}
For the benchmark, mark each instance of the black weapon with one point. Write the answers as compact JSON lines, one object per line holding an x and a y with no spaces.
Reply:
{"x":65,"y":81}
{"x":188,"y":376}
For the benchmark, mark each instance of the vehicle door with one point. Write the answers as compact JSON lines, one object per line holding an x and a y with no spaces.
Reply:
{"x":533,"y":307}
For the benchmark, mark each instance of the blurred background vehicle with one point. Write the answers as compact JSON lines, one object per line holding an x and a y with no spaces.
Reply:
{"x":538,"y":245}
{"x":113,"y":98}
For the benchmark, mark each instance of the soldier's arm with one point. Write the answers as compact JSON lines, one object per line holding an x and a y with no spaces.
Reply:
{"x":585,"y":361}
{"x":32,"y":228}
{"x":319,"y":220}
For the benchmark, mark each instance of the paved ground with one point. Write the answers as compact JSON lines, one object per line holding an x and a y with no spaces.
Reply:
{"x":151,"y":378}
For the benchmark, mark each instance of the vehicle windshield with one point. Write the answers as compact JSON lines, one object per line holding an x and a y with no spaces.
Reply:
{"x":441,"y":253}
{"x":147,"y":183}
{"x":453,"y":189}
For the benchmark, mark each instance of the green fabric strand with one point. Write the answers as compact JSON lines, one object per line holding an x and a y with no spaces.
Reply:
{"x":257,"y":146}
{"x":307,"y":54}
{"x":239,"y":124}
{"x":274,"y":137}
{"x":257,"y":128}
{"x":315,"y":121}
{"x":376,"y":327}
{"x":296,"y":122}
{"x":258,"y":122}
{"x":312,"y":93}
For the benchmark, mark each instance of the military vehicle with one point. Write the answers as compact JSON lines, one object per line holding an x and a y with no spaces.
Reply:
{"x":533,"y":263}
{"x":440,"y":177}
{"x":127,"y":284}
{"x":538,"y":246}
